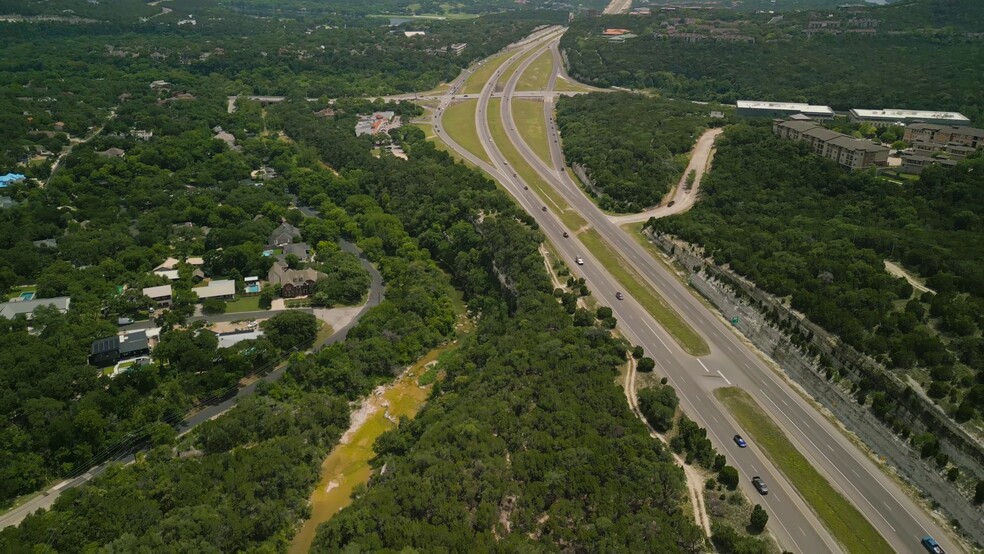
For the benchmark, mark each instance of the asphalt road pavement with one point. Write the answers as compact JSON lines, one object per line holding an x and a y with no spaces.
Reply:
{"x":899,"y":519}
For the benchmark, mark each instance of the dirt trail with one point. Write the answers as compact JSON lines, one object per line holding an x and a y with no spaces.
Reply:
{"x":695,"y":481}
{"x":683,"y":199}
{"x":899,"y":271}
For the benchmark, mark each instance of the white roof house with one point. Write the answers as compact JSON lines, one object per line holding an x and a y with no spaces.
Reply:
{"x":160,"y":291}
{"x":229,"y":339}
{"x":171,"y":274}
{"x":10,"y":309}
{"x":216,"y":289}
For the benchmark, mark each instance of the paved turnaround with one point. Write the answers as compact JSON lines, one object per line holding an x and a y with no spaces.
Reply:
{"x":731,"y":363}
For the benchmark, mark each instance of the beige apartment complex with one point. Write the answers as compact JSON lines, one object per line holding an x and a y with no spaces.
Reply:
{"x":847,"y":151}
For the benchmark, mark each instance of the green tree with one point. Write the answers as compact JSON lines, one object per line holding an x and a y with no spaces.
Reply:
{"x":291,"y":330}
{"x":758,"y":519}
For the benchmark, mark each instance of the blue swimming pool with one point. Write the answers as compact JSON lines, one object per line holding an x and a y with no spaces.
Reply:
{"x":253,"y":288}
{"x":27,"y":295}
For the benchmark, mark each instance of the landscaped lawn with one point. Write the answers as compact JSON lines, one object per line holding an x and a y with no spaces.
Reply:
{"x":551,"y":198}
{"x":477,"y":80}
{"x":16,"y":291}
{"x":683,"y":333}
{"x":459,"y":124}
{"x":537,"y":75}
{"x":532,"y":126}
{"x":244,"y":304}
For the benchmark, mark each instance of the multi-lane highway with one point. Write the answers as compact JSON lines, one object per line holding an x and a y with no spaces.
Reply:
{"x":731,"y":363}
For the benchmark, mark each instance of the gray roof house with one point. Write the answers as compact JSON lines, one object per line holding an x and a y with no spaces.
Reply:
{"x":11,"y":309}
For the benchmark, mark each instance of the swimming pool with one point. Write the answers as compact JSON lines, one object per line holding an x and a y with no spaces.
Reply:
{"x":253,"y":288}
{"x":27,"y":295}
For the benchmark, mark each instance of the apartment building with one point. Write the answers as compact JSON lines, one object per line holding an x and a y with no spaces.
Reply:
{"x":847,"y":151}
{"x":942,"y":135}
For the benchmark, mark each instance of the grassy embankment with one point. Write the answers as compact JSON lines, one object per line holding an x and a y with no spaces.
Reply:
{"x":684,"y":334}
{"x":477,"y":80}
{"x":838,"y":515}
{"x":459,"y":124}
{"x":537,"y":75}
{"x":551,"y":198}
{"x":528,"y":115}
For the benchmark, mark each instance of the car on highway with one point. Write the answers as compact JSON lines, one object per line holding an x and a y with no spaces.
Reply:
{"x":544,"y":208}
{"x":566,"y":234}
{"x":619,"y":296}
{"x":760,"y":485}
{"x":930,"y":544}
{"x":579,"y":260}
{"x":740,"y":441}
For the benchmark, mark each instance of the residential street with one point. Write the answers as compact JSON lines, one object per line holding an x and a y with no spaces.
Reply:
{"x":124,"y":452}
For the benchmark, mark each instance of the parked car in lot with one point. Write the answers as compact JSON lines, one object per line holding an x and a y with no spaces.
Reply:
{"x":740,"y":441}
{"x":930,"y":544}
{"x":760,"y":485}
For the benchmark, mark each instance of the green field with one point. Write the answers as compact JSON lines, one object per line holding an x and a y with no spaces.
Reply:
{"x":843,"y":520}
{"x":683,"y":333}
{"x":537,"y":75}
{"x":532,"y":126}
{"x":459,"y":123}
{"x":511,"y":70}
{"x":477,"y":80}
{"x":243,"y":304}
{"x":551,"y":198}
{"x":565,"y":85}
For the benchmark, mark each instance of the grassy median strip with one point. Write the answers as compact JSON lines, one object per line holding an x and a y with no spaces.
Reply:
{"x":841,"y":518}
{"x":551,"y":198}
{"x":537,"y":75}
{"x":508,"y":73}
{"x":532,"y":126}
{"x":683,"y":333}
{"x":565,"y":85}
{"x":459,"y":124}
{"x":476,"y":81}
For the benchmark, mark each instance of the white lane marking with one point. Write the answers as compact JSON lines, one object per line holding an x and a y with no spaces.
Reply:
{"x":802,"y":531}
{"x":701,"y":362}
{"x":849,"y":482}
{"x":723,"y":377}
{"x":656,"y":334}
{"x":715,"y":418}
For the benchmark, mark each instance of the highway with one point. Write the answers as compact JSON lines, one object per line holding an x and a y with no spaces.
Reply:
{"x":125,"y":452}
{"x":618,"y":6}
{"x":731,"y":363}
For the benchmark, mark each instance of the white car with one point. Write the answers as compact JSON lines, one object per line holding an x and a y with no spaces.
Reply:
{"x":579,"y":260}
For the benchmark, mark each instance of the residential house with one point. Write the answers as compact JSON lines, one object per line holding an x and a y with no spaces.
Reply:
{"x":13,"y":308}
{"x":160,"y":294}
{"x":293,"y":282}
{"x":284,"y":235}
{"x":112,"y":153}
{"x":230,"y":339}
{"x":299,"y":249}
{"x":108,"y":351}
{"x":223,"y":289}
{"x":170,"y":274}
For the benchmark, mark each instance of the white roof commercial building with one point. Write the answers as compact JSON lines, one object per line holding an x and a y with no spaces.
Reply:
{"x":757,"y":108}
{"x":886,"y":117}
